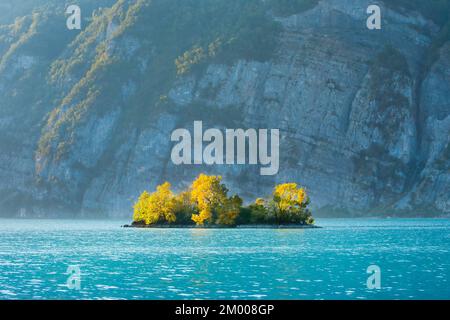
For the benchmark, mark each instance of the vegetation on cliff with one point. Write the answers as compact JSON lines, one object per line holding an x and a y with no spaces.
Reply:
{"x":206,"y":202}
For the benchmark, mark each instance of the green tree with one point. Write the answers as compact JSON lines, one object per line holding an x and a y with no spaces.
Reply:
{"x":229,"y":211}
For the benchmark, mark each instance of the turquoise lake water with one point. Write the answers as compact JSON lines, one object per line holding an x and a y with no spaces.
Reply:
{"x":330,"y":263}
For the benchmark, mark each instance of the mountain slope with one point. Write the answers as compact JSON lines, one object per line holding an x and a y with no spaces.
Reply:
{"x":86,"y":117}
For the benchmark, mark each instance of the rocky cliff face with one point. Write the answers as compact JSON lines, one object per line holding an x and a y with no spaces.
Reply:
{"x":364,"y":115}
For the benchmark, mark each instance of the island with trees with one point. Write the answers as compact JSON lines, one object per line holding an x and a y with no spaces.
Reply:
{"x":206,"y":204}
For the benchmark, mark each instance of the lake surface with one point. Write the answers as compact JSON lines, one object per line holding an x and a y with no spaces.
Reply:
{"x":122,"y":263}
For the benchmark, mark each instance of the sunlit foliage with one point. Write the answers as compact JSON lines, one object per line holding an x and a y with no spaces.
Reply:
{"x":209,"y":195}
{"x":158,"y":207}
{"x":206,"y":202}
{"x":289,"y":204}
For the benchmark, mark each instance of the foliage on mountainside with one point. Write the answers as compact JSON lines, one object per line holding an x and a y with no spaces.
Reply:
{"x":174,"y":38}
{"x":167,"y":32}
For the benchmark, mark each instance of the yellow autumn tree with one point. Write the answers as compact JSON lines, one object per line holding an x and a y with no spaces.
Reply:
{"x":290,"y":202}
{"x":208,"y":194}
{"x":260,"y":202}
{"x":140,"y":207}
{"x":158,"y":207}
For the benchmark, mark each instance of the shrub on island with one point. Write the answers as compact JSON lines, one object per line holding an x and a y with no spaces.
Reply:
{"x":206,"y":202}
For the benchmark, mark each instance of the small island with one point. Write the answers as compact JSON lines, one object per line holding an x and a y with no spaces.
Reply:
{"x":206,"y":204}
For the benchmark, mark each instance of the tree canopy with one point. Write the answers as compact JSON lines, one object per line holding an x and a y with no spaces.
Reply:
{"x":206,"y":202}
